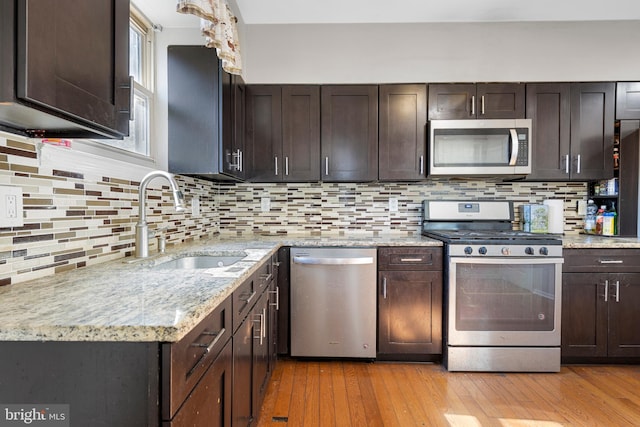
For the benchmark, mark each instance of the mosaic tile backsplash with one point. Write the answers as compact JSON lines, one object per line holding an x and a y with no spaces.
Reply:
{"x":75,"y":219}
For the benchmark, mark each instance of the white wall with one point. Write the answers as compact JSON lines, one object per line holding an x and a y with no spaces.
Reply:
{"x":388,"y":53}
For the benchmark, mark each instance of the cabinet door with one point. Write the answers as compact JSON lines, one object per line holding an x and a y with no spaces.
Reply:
{"x":300,"y":133}
{"x":500,"y":101}
{"x":209,"y":404}
{"x":452,"y":101}
{"x":628,"y":101}
{"x":80,"y":65}
{"x":624,"y":315}
{"x":243,"y":355}
{"x":260,"y":367}
{"x":410,"y":312}
{"x":592,"y":128}
{"x":584,"y":315}
{"x":232,"y":132}
{"x":349,"y":117}
{"x":264,"y":133}
{"x":548,"y":107}
{"x":402,"y":133}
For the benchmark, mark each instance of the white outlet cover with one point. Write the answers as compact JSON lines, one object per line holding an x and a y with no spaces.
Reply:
{"x":9,"y":194}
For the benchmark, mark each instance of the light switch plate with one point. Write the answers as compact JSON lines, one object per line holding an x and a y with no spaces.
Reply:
{"x":265,"y":204}
{"x":195,"y":206}
{"x":11,"y":211}
{"x":393,"y":205}
{"x":582,"y":207}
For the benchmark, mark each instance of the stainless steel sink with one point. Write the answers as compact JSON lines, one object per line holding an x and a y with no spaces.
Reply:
{"x":199,"y":261}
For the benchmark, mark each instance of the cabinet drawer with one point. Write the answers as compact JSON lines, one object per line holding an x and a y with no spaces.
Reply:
{"x":601,"y":260}
{"x":410,"y":258}
{"x":184,"y":362}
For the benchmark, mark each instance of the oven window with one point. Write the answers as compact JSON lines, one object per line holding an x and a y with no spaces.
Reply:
{"x":499,"y":297}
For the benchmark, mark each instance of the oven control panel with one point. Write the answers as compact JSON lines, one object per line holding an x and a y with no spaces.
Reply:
{"x":522,"y":251}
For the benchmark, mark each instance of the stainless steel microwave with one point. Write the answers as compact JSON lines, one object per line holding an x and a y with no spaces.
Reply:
{"x":480,"y":147}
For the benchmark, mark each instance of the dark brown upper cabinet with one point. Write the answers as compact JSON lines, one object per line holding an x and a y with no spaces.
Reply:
{"x":402,"y":132}
{"x":64,"y":68}
{"x":202,"y":101}
{"x":573,"y":126}
{"x":451,"y":101}
{"x":349,"y":147}
{"x":283,"y":133}
{"x":628,"y":101}
{"x":592,"y":131}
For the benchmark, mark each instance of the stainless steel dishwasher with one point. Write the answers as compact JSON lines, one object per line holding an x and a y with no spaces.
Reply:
{"x":333,"y":302}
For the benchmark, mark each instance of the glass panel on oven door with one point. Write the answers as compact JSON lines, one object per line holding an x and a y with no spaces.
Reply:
{"x":507,"y":297}
{"x":481,"y":148}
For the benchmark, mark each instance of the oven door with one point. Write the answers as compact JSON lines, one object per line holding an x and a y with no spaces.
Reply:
{"x":504,"y":301}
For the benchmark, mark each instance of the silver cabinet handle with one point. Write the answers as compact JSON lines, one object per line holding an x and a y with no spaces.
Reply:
{"x":241,"y":159}
{"x":606,"y":290}
{"x":248,"y":299}
{"x":326,"y":166}
{"x":411,"y":260}
{"x":260,"y":322}
{"x":473,"y":105}
{"x":617,"y":291}
{"x":332,"y":261}
{"x":422,"y":165}
{"x":514,"y":147}
{"x":263,"y":328}
{"x":566,"y":164}
{"x":277,"y":294}
{"x":610,"y":261}
{"x":266,"y":278}
{"x":132,"y":98}
{"x":384,"y":287}
{"x":578,"y":164}
{"x":207,"y":347}
{"x":286,"y":165}
{"x":482,"y":103}
{"x":276,"y":161}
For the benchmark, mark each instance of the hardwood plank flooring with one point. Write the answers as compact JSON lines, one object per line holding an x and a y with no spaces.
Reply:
{"x":386,"y":394}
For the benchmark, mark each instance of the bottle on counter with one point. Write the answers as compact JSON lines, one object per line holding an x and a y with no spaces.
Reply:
{"x":590,"y":218}
{"x":600,"y":219}
{"x":609,"y":221}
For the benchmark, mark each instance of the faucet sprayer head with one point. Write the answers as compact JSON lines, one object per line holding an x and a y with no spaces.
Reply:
{"x":178,"y":201}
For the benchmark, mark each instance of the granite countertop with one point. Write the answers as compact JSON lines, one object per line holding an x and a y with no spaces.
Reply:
{"x":128,"y":300}
{"x":586,"y":241}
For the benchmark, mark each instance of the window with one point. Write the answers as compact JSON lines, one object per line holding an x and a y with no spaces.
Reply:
{"x":141,"y":68}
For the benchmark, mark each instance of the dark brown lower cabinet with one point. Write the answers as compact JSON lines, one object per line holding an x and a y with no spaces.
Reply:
{"x":600,"y":309}
{"x":209,"y":404}
{"x":410,"y":303}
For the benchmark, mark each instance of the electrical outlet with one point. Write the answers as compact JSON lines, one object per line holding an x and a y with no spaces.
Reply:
{"x":11,"y":206}
{"x":195,"y":206}
{"x":393,"y":205}
{"x":265,"y":204}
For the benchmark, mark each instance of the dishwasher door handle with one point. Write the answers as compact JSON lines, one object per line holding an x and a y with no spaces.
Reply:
{"x":332,"y":261}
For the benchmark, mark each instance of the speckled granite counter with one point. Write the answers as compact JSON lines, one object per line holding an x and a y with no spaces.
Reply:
{"x":585,"y":241}
{"x":128,"y":300}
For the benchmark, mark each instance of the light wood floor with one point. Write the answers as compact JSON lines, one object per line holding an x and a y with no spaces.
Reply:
{"x":353,"y":393}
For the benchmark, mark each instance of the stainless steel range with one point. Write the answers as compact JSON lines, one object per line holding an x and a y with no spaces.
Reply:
{"x":502,"y":288}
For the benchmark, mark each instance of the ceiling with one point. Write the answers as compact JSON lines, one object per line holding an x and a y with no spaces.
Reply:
{"x":397,"y":11}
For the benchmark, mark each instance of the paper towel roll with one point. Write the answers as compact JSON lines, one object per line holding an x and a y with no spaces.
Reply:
{"x":556,"y":215}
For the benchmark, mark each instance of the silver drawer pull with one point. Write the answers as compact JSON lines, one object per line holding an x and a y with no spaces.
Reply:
{"x":266,"y":277}
{"x":207,"y":347}
{"x":611,"y":261}
{"x":411,"y":260}
{"x":247,"y":299}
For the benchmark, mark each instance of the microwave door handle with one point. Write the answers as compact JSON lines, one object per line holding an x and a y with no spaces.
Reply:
{"x":514,"y":147}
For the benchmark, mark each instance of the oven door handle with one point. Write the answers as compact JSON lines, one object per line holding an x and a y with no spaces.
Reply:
{"x":505,"y":260}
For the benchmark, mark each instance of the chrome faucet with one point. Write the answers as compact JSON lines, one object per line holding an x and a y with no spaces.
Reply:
{"x":142,"y":229}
